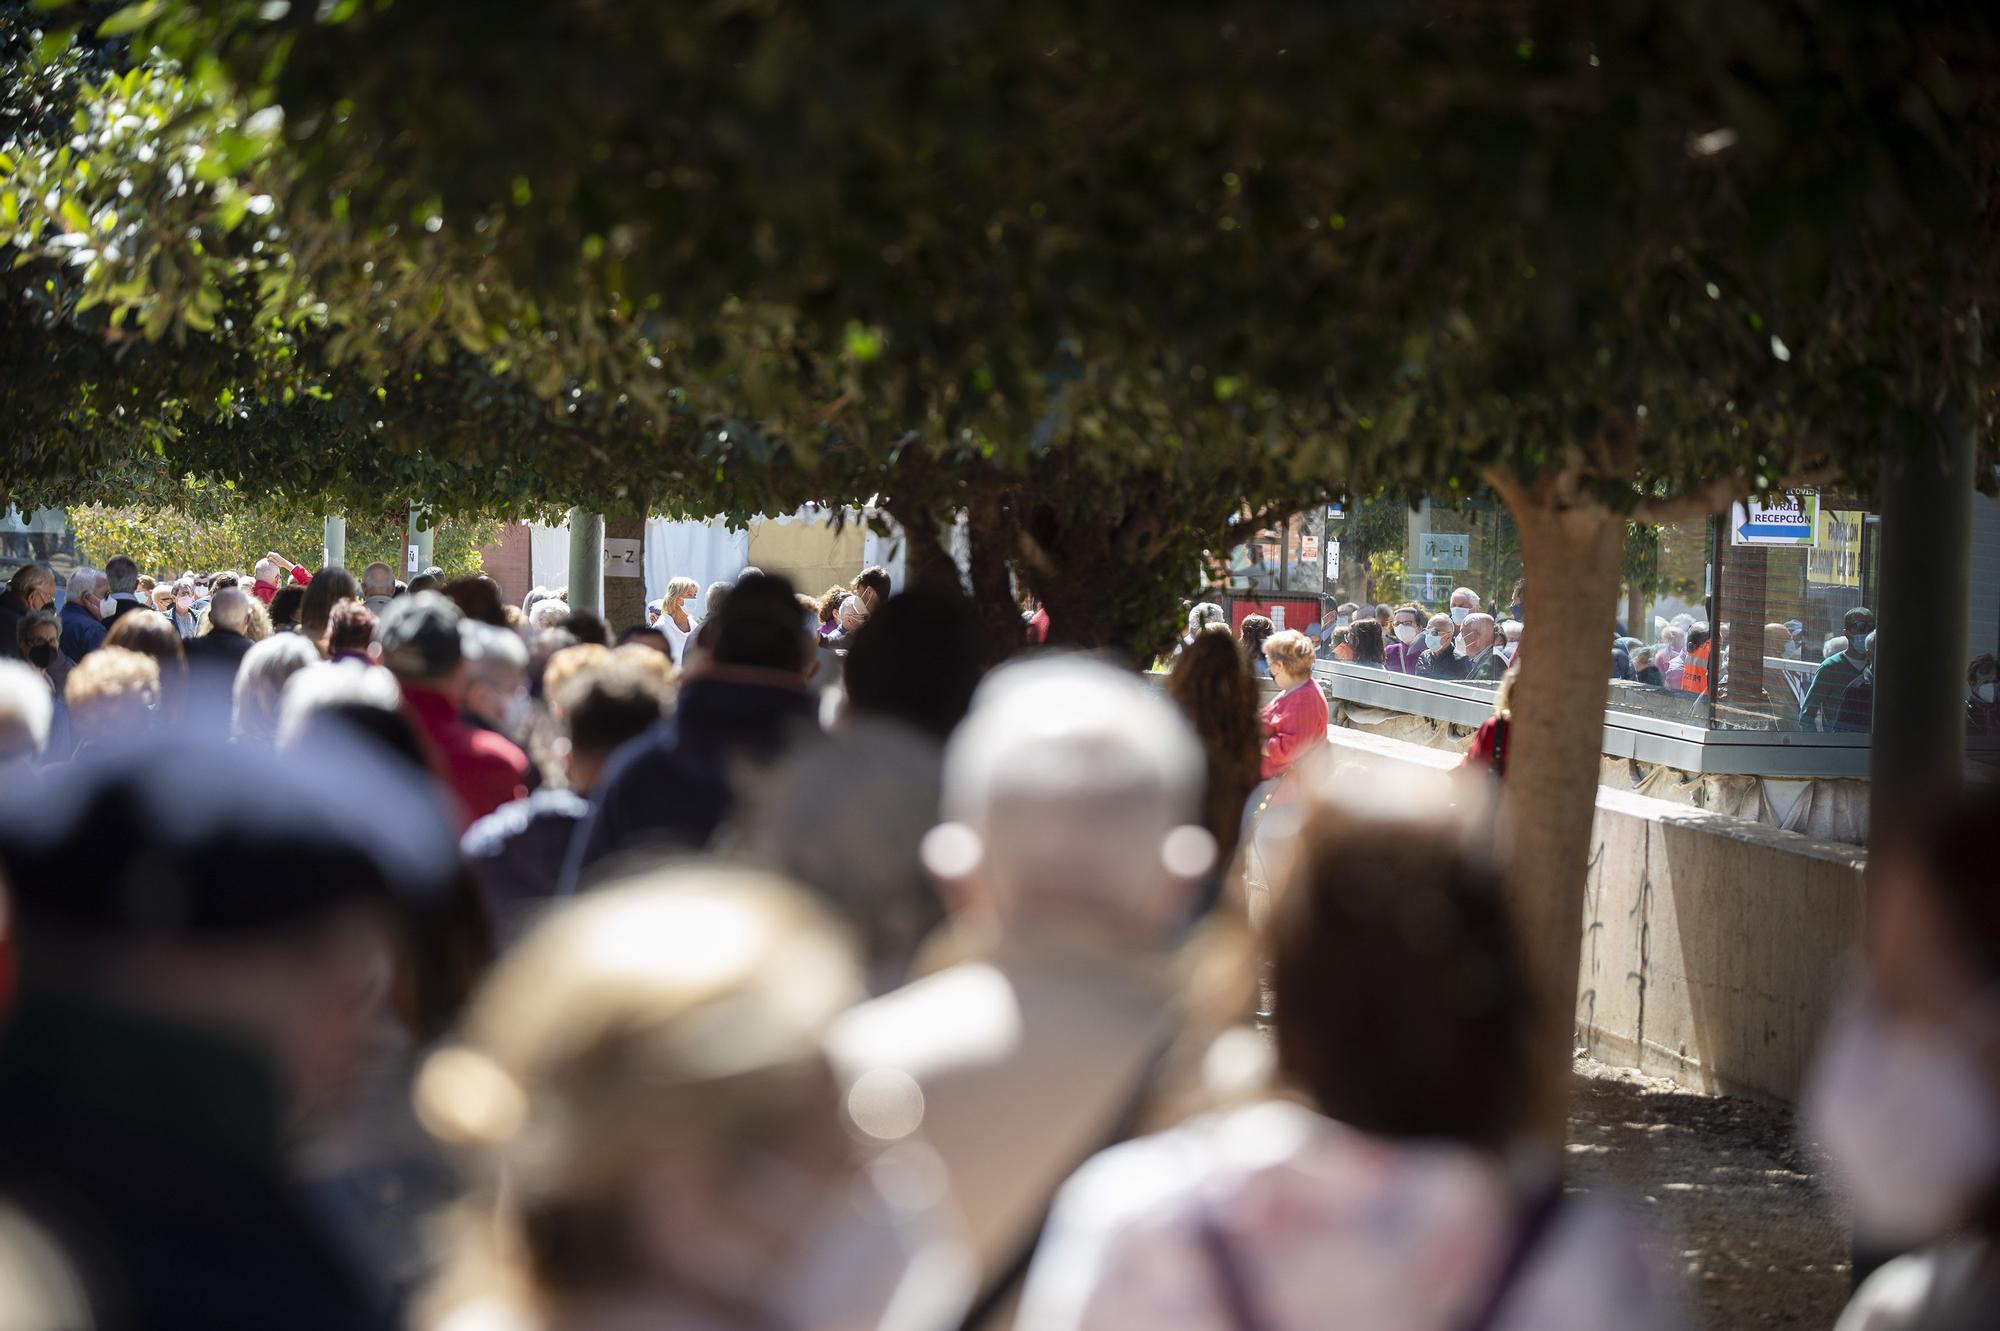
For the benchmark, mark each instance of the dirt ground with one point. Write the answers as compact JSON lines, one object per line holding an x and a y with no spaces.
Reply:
{"x":1758,"y":1237}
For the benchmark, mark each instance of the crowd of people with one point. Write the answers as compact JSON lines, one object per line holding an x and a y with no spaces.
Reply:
{"x":393,"y":955}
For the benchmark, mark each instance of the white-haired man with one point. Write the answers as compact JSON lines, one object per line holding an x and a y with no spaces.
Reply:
{"x":1069,"y":857}
{"x":83,"y":626}
{"x":1464,"y":602}
{"x":378,"y":587}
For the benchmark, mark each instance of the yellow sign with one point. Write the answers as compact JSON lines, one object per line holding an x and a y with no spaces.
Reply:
{"x":1836,"y":560}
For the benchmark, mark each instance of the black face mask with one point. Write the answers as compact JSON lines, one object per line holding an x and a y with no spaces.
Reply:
{"x":42,"y":655}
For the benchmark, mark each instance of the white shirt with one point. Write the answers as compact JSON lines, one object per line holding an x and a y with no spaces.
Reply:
{"x":1328,"y":1228}
{"x":677,"y":638}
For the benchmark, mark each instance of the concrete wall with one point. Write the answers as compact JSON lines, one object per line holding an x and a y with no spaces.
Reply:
{"x":1712,"y":946}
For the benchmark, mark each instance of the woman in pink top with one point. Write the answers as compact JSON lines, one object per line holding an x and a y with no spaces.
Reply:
{"x":1295,"y":721}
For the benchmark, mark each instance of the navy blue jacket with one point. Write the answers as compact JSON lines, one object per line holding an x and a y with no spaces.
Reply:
{"x":518,"y":851}
{"x":674,"y":787}
{"x":82,"y":632}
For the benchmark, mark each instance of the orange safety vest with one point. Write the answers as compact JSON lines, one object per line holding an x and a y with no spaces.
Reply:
{"x":1694,"y":670}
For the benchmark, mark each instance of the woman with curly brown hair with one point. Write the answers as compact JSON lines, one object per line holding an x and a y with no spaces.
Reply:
{"x":1212,"y":685}
{"x":828,"y":609}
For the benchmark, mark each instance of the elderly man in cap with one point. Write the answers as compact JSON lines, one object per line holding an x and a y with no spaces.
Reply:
{"x":422,"y":640}
{"x":190,"y":993}
{"x":1070,"y":857}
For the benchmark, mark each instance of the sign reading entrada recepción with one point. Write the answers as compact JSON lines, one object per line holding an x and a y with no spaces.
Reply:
{"x":1788,"y":519}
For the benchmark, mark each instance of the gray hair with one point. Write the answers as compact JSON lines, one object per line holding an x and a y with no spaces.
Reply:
{"x":333,"y":684}
{"x":122,"y":573}
{"x":494,"y":655}
{"x":27,"y":709}
{"x":1457,"y":592}
{"x":260,"y":683}
{"x":1835,"y":645}
{"x":548,"y":613}
{"x":83,"y":582}
{"x":1072,"y":774}
{"x":378,"y":579}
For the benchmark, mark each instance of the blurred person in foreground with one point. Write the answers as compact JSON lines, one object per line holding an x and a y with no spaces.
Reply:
{"x":111,"y":696}
{"x":260,"y":684}
{"x":643,"y":1101}
{"x":1359,"y":1184}
{"x":743,"y":703}
{"x":1905,"y":1096}
{"x":152,"y":635}
{"x":350,"y":633}
{"x":1212,"y":685}
{"x":1071,"y":857}
{"x":422,"y":641}
{"x":27,"y":715}
{"x":191,"y":991}
{"x":369,"y":1171}
{"x":846,"y":815}
{"x":517,"y":852}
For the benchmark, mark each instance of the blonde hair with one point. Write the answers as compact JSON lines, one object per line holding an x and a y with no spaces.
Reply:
{"x":257,"y":622}
{"x":567,"y":664}
{"x":656,"y":666}
{"x":1290,"y":648}
{"x":683,"y":1009}
{"x":112,"y":686}
{"x":678,"y":590}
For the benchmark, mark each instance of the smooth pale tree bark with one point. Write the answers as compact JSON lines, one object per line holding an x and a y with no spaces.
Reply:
{"x":624,"y":583}
{"x":1571,"y":553}
{"x":334,"y":549}
{"x":417,"y":551}
{"x":586,"y":561}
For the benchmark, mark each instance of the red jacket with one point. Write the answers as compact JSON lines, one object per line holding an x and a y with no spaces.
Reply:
{"x":1294,"y":725}
{"x":264,"y":591}
{"x":482,"y":769}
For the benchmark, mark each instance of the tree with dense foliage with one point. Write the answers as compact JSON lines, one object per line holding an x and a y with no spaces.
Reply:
{"x":1104,"y":296}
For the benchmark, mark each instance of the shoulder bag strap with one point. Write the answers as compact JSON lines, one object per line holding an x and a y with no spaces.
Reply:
{"x":1008,"y":1279}
{"x":1536,"y":1221}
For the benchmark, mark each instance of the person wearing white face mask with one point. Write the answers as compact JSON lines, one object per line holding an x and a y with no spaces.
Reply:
{"x":1439,"y":660}
{"x":1464,"y":602}
{"x":1905,"y":1095}
{"x":1406,"y":645}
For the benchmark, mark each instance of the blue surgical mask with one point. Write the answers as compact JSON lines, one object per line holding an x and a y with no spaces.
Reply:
{"x":1458,"y":614}
{"x":1432,"y":641}
{"x":1514,"y":610}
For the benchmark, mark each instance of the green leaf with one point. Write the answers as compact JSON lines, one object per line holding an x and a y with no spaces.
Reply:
{"x":129,"y":19}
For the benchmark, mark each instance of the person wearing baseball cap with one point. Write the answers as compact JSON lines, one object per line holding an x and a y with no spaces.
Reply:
{"x":191,"y":991}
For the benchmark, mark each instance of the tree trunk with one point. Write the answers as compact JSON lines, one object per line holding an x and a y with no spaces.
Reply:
{"x":927,"y":558}
{"x":990,"y":536}
{"x":624,"y":573}
{"x":1571,"y":559}
{"x":1635,"y":612}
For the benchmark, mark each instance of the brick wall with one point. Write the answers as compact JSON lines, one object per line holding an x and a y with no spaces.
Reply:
{"x":508,"y":562}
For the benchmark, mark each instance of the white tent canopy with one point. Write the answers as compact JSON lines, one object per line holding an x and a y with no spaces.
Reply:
{"x":710,"y":551}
